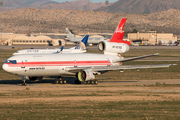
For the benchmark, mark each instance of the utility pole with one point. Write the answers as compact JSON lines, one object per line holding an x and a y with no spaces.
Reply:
{"x":107,"y":3}
{"x":1,"y":4}
{"x":156,"y":29}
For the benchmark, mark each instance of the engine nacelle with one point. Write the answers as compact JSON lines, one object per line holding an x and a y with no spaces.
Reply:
{"x":85,"y":75}
{"x":112,"y":47}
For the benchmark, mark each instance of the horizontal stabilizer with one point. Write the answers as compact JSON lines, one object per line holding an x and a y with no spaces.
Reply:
{"x":134,"y":58}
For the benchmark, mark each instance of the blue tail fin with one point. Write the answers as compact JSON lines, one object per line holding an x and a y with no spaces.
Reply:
{"x":85,"y":40}
{"x":83,"y":43}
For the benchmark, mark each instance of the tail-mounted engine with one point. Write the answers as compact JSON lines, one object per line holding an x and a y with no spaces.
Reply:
{"x":112,"y":47}
{"x":85,"y":76}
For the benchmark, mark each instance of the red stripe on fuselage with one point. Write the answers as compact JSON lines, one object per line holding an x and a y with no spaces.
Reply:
{"x":60,"y":63}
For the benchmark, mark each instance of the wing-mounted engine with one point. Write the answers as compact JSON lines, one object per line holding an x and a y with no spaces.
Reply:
{"x":85,"y":75}
{"x":112,"y":48}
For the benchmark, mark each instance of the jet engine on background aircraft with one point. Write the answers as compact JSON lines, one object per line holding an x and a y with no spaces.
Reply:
{"x":112,"y":47}
{"x":85,"y":76}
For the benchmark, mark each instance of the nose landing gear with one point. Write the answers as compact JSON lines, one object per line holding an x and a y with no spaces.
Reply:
{"x":24,"y":81}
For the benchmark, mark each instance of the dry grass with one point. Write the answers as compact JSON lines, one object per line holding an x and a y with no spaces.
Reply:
{"x":112,"y":101}
{"x":102,"y":101}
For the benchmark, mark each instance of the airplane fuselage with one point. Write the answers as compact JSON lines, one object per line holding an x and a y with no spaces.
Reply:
{"x":54,"y":64}
{"x":43,"y":51}
{"x":91,"y":40}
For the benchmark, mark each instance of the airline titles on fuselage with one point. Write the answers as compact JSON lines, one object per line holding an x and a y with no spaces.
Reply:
{"x":32,"y":51}
{"x":38,"y":68}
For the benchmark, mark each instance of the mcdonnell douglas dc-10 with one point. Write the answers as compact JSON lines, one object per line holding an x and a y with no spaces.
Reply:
{"x":82,"y":65}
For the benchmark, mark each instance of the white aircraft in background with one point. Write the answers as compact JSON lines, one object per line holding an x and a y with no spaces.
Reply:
{"x":80,"y":48}
{"x":93,"y":40}
{"x":82,"y":65}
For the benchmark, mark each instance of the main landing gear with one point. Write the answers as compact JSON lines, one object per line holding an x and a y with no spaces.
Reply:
{"x":60,"y":81}
{"x":92,"y":82}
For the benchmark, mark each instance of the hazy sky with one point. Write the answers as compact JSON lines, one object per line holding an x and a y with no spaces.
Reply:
{"x":95,"y":1}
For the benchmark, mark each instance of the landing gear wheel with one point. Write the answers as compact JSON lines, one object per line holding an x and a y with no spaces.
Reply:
{"x":64,"y":81}
{"x":86,"y":82}
{"x":60,"y":82}
{"x":95,"y":82}
{"x":24,"y":83}
{"x":57,"y":82}
{"x":92,"y":82}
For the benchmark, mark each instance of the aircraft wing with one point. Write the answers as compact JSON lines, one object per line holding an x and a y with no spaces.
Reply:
{"x":134,"y":58}
{"x":122,"y":67}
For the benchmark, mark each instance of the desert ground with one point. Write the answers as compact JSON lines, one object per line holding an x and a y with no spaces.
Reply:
{"x":148,"y":94}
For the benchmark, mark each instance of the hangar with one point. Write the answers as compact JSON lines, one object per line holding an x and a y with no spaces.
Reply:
{"x":33,"y":39}
{"x":153,"y":38}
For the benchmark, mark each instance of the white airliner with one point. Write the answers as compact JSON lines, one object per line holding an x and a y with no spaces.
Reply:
{"x":93,"y":39}
{"x":82,"y":65}
{"x":80,"y":48}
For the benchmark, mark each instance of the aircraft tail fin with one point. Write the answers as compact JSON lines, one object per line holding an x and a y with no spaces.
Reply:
{"x":119,"y":33}
{"x":83,"y":43}
{"x":59,"y":51}
{"x":85,"y":40}
{"x":68,"y":31}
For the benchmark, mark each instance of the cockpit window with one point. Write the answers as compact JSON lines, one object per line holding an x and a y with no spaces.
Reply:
{"x":11,"y":61}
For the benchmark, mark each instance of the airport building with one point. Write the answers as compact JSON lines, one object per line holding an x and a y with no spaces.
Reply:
{"x":46,"y":39}
{"x":153,"y":38}
{"x":35,"y":39}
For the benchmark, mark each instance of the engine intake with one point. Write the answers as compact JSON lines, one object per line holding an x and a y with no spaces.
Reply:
{"x":85,"y":75}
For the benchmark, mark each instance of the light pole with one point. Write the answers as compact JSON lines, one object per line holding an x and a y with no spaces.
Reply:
{"x":1,"y":4}
{"x":107,"y":3}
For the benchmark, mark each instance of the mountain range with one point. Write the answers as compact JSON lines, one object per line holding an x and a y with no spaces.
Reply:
{"x":33,"y":20}
{"x":49,"y":4}
{"x":125,"y":6}
{"x":141,"y":6}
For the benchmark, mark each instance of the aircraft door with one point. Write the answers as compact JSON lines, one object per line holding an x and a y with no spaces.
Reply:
{"x":22,"y":65}
{"x":23,"y":68}
{"x":27,"y":70}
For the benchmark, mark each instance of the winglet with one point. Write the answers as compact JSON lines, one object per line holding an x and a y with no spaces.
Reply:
{"x":119,"y":33}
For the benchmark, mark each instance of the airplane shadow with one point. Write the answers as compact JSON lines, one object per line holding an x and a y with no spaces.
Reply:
{"x":69,"y":80}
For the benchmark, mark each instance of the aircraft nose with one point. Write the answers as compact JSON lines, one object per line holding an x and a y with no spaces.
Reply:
{"x":5,"y":67}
